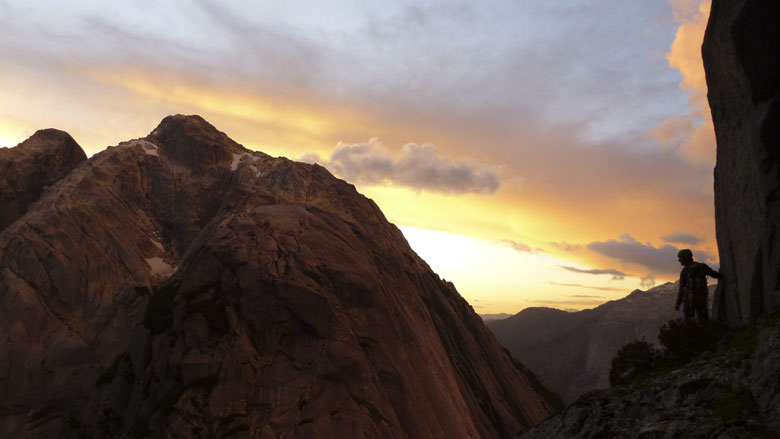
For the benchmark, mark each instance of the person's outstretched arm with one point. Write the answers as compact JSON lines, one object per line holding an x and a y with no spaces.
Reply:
{"x":710,"y":272}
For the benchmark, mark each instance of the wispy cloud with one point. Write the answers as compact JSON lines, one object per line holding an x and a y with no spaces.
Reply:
{"x":415,"y":166}
{"x":616,"y":275}
{"x":572,"y":302}
{"x":592,"y":287}
{"x":565,"y":246}
{"x":647,"y":281}
{"x":520,"y":246}
{"x":681,"y":238}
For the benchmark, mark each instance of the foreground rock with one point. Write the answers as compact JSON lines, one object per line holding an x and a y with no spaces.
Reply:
{"x":183,"y":286}
{"x":729,"y":394}
{"x":31,"y":167}
{"x":572,"y":351}
{"x":743,"y":76}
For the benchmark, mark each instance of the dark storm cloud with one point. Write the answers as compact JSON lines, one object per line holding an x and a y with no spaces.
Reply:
{"x":416,"y":166}
{"x":616,"y":275}
{"x":681,"y":238}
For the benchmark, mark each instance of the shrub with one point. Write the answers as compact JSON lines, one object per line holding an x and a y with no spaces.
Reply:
{"x":686,"y":339}
{"x":632,"y":360}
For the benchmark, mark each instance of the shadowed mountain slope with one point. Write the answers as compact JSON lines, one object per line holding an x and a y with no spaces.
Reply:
{"x":572,"y":351}
{"x":183,"y":286}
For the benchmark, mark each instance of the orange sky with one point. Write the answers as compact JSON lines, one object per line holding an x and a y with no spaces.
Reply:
{"x":541,"y":162}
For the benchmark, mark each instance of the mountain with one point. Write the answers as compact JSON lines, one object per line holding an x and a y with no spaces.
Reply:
{"x":180,"y":285}
{"x":28,"y":169}
{"x":490,"y":317}
{"x":572,"y":351}
{"x":742,"y":69}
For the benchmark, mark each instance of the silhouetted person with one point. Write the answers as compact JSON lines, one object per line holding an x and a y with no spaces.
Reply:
{"x":693,"y":286}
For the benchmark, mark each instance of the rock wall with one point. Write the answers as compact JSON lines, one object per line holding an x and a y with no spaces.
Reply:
{"x":742,"y":65}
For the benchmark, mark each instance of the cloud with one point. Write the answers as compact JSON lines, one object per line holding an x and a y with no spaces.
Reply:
{"x":616,"y":275}
{"x":583,"y":296}
{"x":682,"y":238}
{"x":565,"y":246}
{"x":567,"y":303}
{"x":647,"y":281}
{"x":592,"y":287}
{"x":661,"y":260}
{"x":692,"y":136}
{"x":519,"y":246}
{"x":673,"y":131}
{"x":416,"y":166}
{"x":628,"y":250}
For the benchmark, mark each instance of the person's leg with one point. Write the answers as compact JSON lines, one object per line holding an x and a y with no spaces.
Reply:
{"x":688,"y":310}
{"x":701,"y":309}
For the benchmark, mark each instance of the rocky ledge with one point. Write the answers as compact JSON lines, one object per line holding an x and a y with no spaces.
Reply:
{"x":731,"y":393}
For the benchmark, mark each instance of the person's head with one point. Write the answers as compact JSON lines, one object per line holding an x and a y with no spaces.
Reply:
{"x":685,"y":256}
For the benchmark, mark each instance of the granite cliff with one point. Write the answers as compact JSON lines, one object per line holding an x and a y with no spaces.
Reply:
{"x":181,"y":285}
{"x":742,"y":68}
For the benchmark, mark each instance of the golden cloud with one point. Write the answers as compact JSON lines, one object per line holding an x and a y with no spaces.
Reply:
{"x":694,"y":135}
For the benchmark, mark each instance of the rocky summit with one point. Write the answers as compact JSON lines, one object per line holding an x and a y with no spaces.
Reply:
{"x":28,"y":169}
{"x":181,"y":285}
{"x":742,"y":68}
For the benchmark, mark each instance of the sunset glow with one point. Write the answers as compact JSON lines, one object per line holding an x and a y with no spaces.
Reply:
{"x":507,"y":141}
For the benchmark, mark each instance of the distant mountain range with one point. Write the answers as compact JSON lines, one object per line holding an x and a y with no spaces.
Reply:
{"x":492,"y":317}
{"x":572,"y":351}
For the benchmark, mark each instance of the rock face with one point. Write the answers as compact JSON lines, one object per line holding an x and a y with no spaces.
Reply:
{"x":573,"y":351}
{"x":743,"y":76}
{"x":732,"y":393}
{"x":181,"y":285}
{"x":32,"y":166}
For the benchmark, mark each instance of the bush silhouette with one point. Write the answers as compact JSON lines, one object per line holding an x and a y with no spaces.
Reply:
{"x":686,"y":339}
{"x":632,"y":360}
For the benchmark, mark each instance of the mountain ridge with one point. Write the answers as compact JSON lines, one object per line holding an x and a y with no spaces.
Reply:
{"x":159,"y":283}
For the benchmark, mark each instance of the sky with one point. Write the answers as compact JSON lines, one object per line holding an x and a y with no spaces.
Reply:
{"x":535,"y":153}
